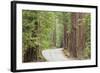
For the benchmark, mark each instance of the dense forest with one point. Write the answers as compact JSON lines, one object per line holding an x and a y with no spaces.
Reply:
{"x":50,"y":29}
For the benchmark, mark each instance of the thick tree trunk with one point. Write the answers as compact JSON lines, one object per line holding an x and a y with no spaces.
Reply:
{"x":73,"y":47}
{"x":81,"y":36}
{"x":77,"y":36}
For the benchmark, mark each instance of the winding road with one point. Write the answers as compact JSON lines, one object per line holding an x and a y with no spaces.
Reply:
{"x":54,"y":54}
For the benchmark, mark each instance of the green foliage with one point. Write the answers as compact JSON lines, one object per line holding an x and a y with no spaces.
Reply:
{"x":42,"y":28}
{"x":87,"y":50}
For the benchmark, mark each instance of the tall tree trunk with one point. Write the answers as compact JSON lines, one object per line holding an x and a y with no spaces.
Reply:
{"x":81,"y":36}
{"x":65,"y":37}
{"x":73,"y":47}
{"x":54,"y":36}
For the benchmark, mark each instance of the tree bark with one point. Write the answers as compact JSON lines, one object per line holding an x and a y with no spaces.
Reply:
{"x":81,"y":36}
{"x":54,"y":36}
{"x":73,"y":47}
{"x":65,"y":37}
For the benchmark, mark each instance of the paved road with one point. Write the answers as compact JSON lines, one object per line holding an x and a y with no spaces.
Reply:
{"x":54,"y":55}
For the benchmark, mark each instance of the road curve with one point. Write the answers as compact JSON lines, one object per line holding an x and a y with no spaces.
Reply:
{"x":55,"y":54}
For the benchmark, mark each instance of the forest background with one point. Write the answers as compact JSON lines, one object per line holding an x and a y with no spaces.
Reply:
{"x":49,"y":30}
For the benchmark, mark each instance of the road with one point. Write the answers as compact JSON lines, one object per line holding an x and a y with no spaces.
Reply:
{"x":54,"y":54}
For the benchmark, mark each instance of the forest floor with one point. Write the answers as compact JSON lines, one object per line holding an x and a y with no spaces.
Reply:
{"x":54,"y":55}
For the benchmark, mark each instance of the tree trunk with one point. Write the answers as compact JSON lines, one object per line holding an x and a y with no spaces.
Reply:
{"x":81,"y":36}
{"x":54,"y":36}
{"x":65,"y":37}
{"x":73,"y":47}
